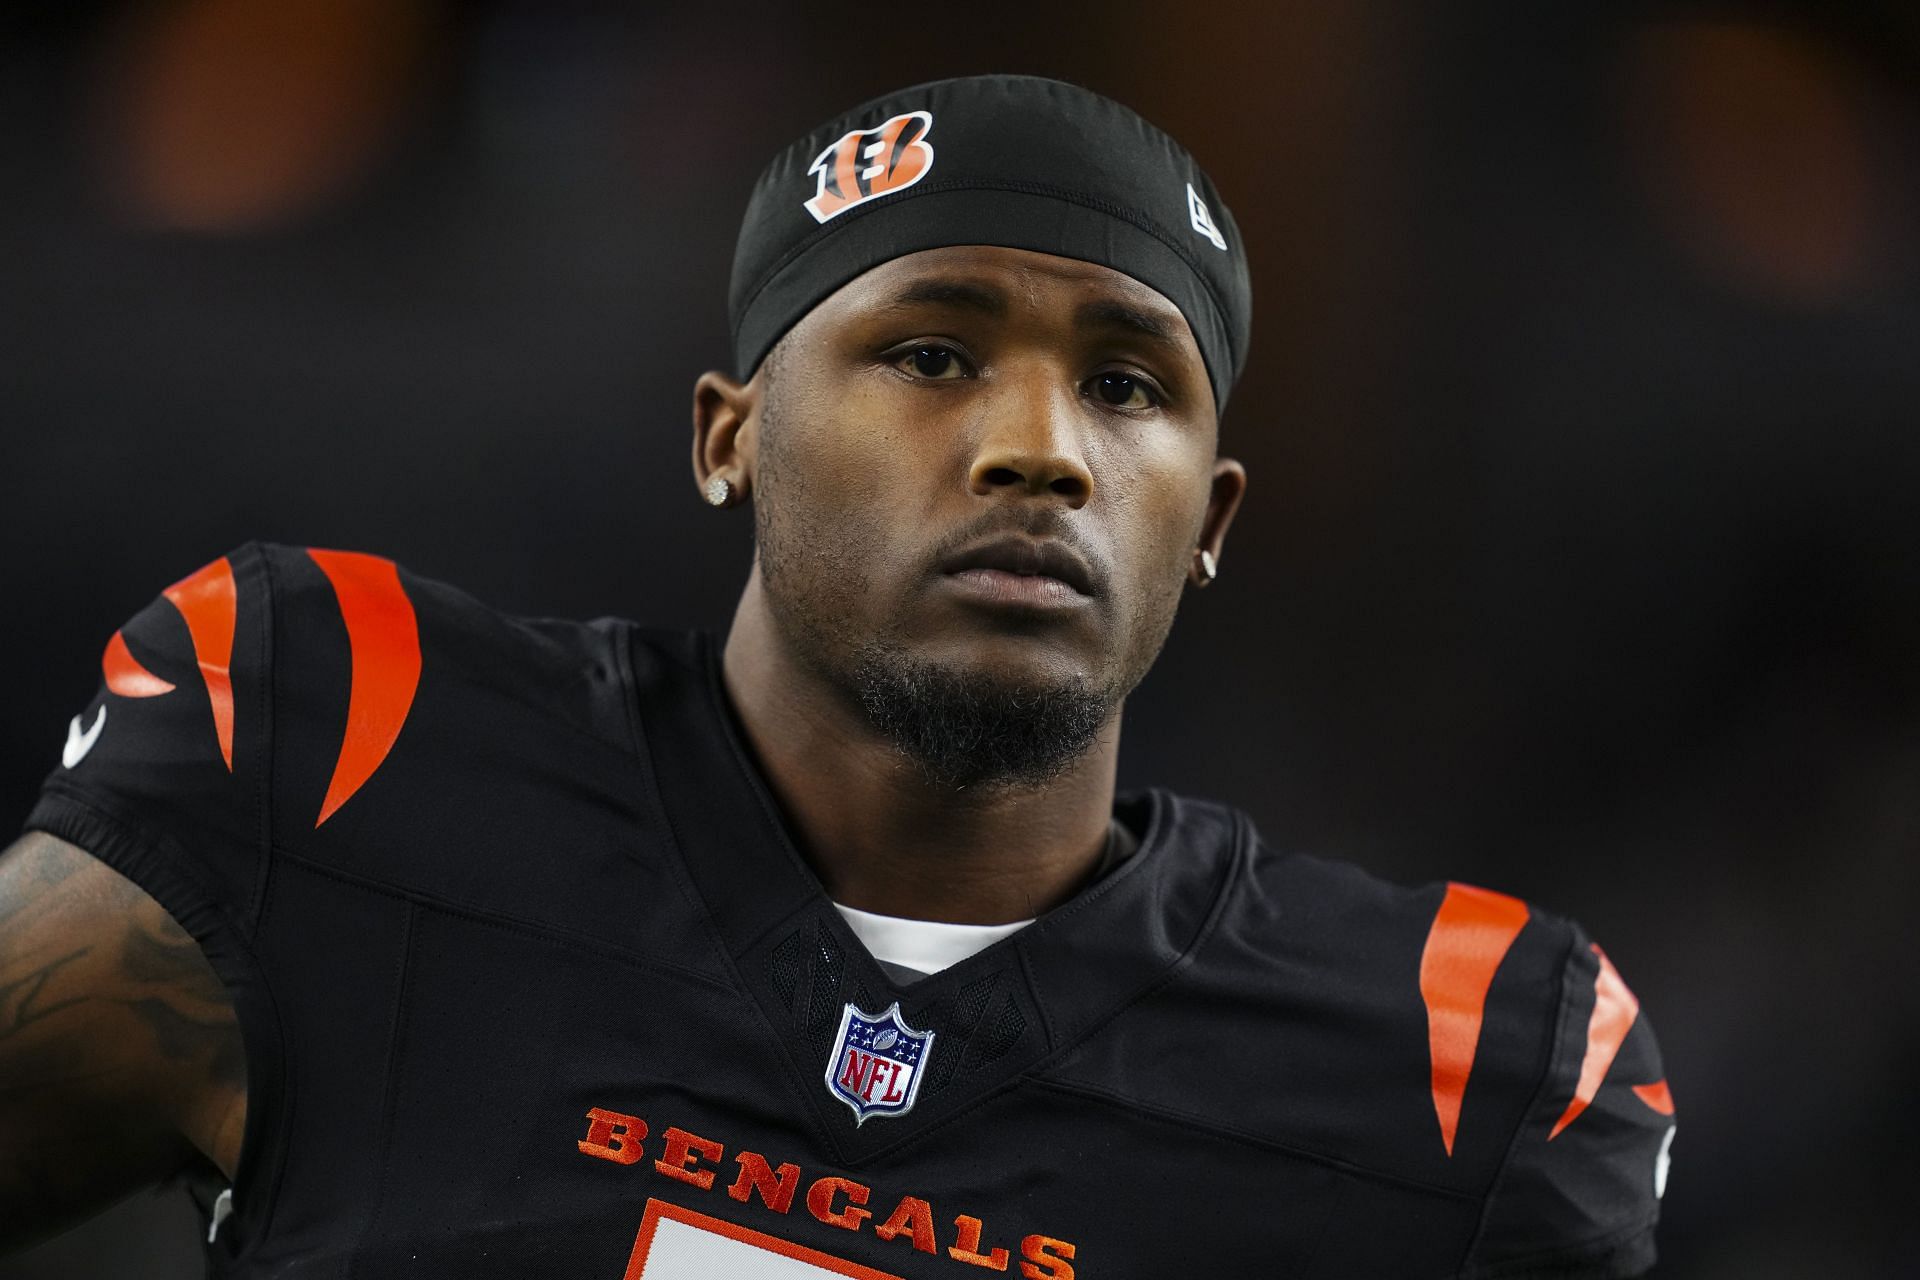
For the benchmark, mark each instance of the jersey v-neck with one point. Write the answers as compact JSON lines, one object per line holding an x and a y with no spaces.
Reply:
{"x":910,"y":950}
{"x":999,"y":1012}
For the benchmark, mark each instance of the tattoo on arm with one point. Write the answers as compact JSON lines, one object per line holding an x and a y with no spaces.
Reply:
{"x":31,"y":867}
{"x":184,"y":1005}
{"x":108,"y":1006}
{"x":20,"y":999}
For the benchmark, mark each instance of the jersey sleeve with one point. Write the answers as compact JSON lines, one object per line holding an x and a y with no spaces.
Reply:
{"x":1578,"y":1195}
{"x":164,"y":773}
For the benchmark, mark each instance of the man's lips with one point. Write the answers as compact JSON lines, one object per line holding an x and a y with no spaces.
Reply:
{"x":1021,"y":571}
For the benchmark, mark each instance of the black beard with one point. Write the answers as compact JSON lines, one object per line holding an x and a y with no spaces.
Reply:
{"x":965,"y":729}
{"x":960,"y":729}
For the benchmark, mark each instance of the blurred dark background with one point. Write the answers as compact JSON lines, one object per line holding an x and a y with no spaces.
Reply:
{"x":1582,"y":557}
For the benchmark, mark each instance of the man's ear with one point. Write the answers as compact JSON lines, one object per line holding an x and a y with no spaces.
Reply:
{"x":1223,"y":501}
{"x":723,"y":437}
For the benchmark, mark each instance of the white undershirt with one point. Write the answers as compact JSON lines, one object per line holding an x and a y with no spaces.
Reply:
{"x":925,"y":946}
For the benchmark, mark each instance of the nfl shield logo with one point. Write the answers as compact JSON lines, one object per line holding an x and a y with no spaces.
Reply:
{"x":876,"y":1063}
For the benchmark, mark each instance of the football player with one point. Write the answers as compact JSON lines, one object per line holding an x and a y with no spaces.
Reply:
{"x":426,"y":941}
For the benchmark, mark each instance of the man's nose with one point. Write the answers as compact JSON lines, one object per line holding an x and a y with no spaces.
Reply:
{"x":1030,"y":442}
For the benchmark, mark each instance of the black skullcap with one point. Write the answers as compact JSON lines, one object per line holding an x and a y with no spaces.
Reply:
{"x":1015,"y":161}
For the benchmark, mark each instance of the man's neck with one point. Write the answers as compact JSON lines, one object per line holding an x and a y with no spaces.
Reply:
{"x":883,"y":837}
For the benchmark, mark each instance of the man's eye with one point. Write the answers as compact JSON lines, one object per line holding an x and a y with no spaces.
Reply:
{"x":1122,"y":391}
{"x":933,"y":362}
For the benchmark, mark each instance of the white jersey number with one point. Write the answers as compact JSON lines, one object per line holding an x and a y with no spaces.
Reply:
{"x":679,"y":1244}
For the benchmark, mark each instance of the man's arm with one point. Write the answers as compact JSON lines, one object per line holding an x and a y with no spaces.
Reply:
{"x":1579,"y":1194}
{"x":121,"y":1061}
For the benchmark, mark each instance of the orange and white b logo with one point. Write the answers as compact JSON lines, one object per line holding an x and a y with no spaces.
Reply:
{"x":871,"y":162}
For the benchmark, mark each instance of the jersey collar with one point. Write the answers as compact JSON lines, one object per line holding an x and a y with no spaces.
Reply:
{"x":1001,"y":1012}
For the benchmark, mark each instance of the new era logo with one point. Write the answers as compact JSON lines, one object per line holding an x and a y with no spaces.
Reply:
{"x":1202,"y":220}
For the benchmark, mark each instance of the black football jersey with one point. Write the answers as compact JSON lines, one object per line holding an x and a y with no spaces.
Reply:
{"x":533,"y":982}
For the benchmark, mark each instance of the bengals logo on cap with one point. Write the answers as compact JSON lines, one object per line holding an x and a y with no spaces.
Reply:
{"x":868,"y":163}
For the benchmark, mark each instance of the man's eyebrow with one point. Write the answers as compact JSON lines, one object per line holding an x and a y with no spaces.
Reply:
{"x":1118,"y":315}
{"x":1104,"y":313}
{"x":948,"y":293}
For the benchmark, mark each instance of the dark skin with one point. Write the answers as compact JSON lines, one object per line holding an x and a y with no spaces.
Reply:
{"x":946,"y":396}
{"x":1020,"y":400}
{"x":120,"y":1056}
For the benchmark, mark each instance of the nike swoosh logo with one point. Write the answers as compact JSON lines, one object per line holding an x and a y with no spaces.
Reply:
{"x":80,"y":742}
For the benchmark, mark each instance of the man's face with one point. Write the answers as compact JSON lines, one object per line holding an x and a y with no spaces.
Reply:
{"x":985,"y":471}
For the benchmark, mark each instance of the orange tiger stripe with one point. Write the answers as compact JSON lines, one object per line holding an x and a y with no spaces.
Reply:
{"x":124,"y":674}
{"x":206,"y":600}
{"x":383,"y":639}
{"x":1656,"y":1095}
{"x":1614,"y":1009}
{"x":1470,"y":936}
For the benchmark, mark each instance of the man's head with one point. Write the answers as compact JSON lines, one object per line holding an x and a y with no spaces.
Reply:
{"x":982,"y":471}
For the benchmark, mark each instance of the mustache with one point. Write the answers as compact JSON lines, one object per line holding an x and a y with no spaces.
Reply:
{"x":1043,"y":524}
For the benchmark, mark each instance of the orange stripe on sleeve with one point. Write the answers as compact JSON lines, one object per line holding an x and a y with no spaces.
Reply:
{"x":1471,"y":935}
{"x":206,"y":600}
{"x":383,"y":639}
{"x":1656,"y":1095}
{"x":124,"y":674}
{"x":1614,"y":1009}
